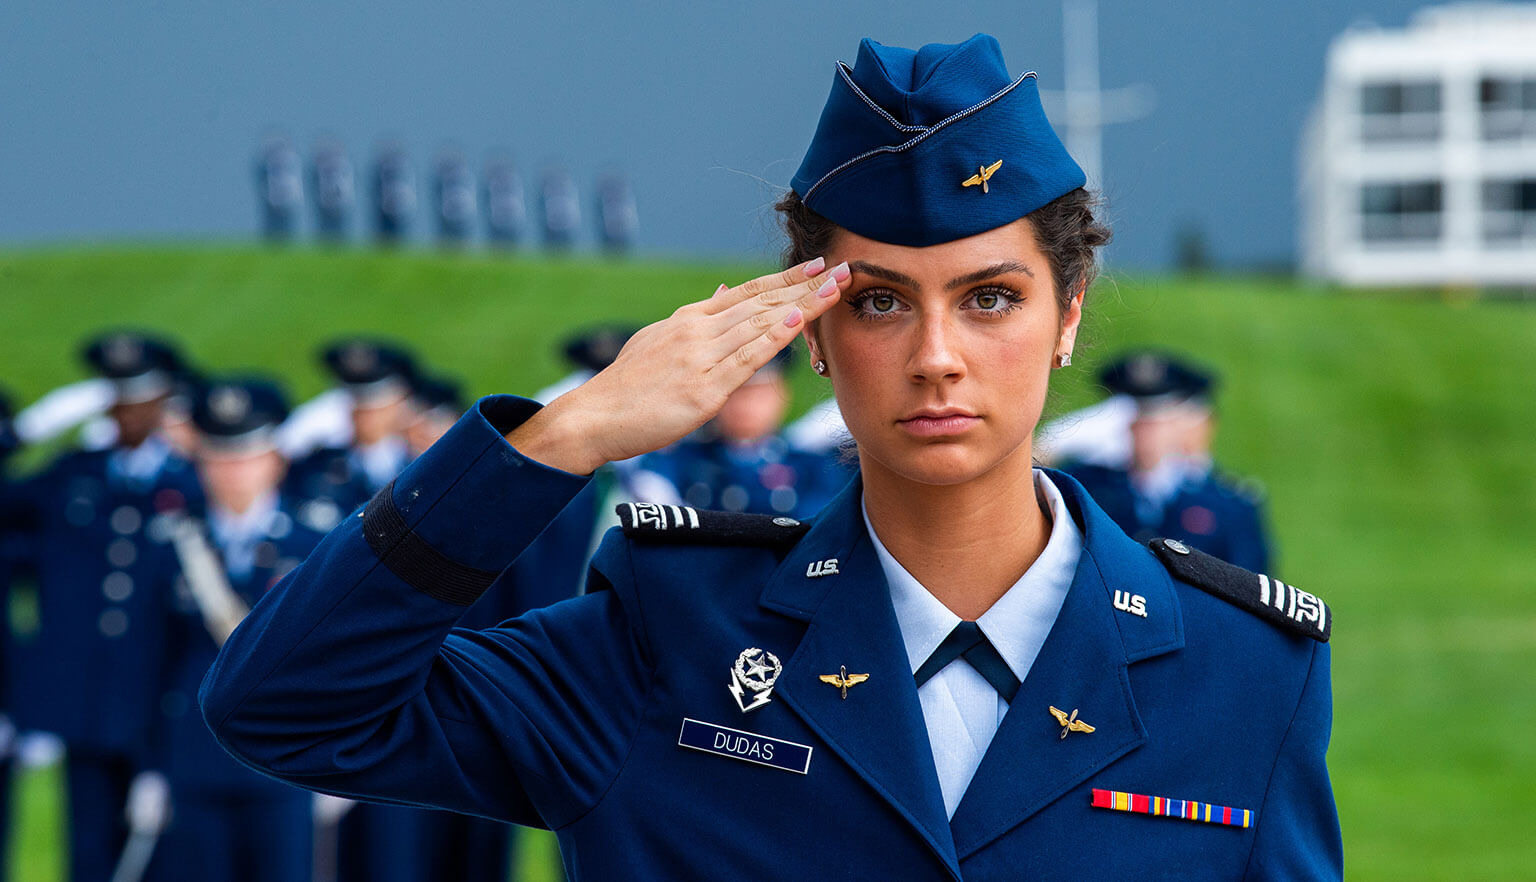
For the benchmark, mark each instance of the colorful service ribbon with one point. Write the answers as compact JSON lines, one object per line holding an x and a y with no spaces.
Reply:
{"x":1164,"y":807}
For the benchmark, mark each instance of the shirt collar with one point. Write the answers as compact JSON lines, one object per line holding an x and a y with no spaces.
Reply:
{"x":144,"y":462}
{"x":229,"y":528}
{"x":1019,"y":621}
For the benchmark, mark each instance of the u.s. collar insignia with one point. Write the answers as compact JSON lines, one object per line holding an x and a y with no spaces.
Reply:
{"x":818,"y":568}
{"x":755,"y":672}
{"x":983,"y":175}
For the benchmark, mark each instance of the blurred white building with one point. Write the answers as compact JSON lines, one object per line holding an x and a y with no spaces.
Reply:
{"x":1418,"y":165}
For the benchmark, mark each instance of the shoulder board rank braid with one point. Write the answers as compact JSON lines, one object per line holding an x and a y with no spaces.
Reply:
{"x":1285,"y":605}
{"x":683,"y":525}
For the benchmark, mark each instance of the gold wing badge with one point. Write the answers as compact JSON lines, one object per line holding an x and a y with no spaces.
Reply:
{"x":1070,"y":722}
{"x":983,"y":174}
{"x":843,"y":680}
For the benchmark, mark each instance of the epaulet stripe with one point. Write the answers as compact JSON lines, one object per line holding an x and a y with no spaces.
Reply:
{"x":684,"y":525}
{"x":1298,"y":611}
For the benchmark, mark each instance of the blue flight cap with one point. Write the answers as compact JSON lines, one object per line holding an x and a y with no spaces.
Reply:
{"x":932,"y":145}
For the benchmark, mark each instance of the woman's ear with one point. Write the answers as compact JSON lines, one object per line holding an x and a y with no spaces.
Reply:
{"x":1071,"y":320}
{"x":812,"y":344}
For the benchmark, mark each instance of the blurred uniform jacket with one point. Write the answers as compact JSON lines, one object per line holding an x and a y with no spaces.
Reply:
{"x":763,"y":477}
{"x":331,"y":482}
{"x":185,"y":749}
{"x":350,"y":678}
{"x":94,"y":665}
{"x":1206,"y":511}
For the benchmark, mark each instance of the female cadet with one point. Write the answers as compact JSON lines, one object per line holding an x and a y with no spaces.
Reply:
{"x":961,"y":670}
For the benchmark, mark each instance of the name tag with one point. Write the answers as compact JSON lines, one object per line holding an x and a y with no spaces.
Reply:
{"x":748,"y":746}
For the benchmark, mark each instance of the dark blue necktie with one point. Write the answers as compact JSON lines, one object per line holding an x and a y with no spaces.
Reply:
{"x":967,"y":642}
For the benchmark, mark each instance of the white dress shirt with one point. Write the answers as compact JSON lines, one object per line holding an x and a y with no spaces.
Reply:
{"x":962,"y":711}
{"x":238,"y":534}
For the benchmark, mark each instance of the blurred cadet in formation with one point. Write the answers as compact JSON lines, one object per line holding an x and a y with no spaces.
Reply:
{"x":9,"y":550}
{"x":394,"y":194}
{"x":618,"y":221}
{"x":223,"y":821}
{"x":334,"y":190}
{"x":279,"y":188}
{"x":436,"y":404}
{"x":453,"y":190}
{"x":506,"y":207}
{"x":1170,"y":487}
{"x":95,"y":662}
{"x":147,"y":552}
{"x":560,"y":205}
{"x":461,"y":847}
{"x":335,"y":480}
{"x":740,"y":460}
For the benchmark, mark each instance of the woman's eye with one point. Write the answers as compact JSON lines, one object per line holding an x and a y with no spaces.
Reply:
{"x":994,"y":300}
{"x":875,"y":304}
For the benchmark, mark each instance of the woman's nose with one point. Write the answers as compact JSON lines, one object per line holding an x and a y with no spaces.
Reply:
{"x":936,"y":353}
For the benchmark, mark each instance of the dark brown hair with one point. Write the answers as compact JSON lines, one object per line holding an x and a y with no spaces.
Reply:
{"x":1066,"y":229}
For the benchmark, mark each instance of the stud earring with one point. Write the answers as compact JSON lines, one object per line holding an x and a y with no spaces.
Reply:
{"x":1064,"y":359}
{"x":820,"y":367}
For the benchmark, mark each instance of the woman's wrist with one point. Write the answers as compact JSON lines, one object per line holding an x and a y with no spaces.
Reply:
{"x":557,"y":437}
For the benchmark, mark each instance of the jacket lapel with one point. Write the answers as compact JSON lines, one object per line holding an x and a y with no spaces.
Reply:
{"x":1082,"y":666}
{"x":878,"y":730}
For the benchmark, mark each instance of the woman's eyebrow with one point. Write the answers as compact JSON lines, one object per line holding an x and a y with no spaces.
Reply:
{"x":901,"y":278}
{"x":880,"y":272}
{"x":996,"y":269}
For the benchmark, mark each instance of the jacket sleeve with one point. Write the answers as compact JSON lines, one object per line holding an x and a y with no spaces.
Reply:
{"x":349,"y":678}
{"x":1298,"y":825}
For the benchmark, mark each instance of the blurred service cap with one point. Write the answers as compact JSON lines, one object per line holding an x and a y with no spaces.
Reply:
{"x":141,"y":367}
{"x":238,"y":415}
{"x":372,"y":371}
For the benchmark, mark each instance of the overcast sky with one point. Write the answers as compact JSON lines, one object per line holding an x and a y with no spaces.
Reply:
{"x":141,"y":120}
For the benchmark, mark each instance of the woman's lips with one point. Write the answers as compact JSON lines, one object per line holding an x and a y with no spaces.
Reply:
{"x":939,"y":425}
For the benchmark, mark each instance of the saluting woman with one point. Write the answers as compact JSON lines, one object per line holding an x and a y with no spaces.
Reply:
{"x":961,"y":669}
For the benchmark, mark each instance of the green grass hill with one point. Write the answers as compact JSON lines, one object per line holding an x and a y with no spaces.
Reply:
{"x":1394,"y":435}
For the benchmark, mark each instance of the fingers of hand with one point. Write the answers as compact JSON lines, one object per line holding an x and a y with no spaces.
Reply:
{"x":725,"y":298}
{"x":811,"y":295}
{"x":761,"y":329}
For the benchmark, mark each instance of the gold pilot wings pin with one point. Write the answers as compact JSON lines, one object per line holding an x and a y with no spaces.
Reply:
{"x":982,"y":176}
{"x":1164,"y":807}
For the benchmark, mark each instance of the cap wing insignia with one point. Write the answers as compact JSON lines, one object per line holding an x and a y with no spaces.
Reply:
{"x":983,"y":175}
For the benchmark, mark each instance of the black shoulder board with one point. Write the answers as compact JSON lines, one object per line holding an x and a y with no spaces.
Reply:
{"x":1285,"y":605}
{"x":682,"y":525}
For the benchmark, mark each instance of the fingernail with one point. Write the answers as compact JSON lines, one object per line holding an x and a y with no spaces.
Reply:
{"x":722,"y":287}
{"x":793,"y":319}
{"x":828,"y":288}
{"x":815,"y":267}
{"x":841,"y":272}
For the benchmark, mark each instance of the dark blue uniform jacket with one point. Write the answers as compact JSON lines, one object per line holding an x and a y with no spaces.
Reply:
{"x":184,"y":748}
{"x":350,"y":678}
{"x":1210,"y":514}
{"x":93,"y":669}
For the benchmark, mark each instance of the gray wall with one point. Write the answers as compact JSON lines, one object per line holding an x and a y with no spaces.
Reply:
{"x":140,"y":120}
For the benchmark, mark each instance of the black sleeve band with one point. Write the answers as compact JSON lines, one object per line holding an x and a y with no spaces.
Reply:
{"x":414,"y":561}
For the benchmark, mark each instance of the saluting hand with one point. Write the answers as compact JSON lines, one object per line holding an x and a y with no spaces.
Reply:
{"x":673,"y":376}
